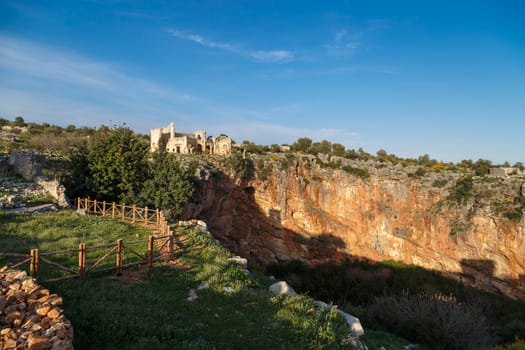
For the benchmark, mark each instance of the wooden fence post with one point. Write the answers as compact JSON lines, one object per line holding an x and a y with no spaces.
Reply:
{"x":150,"y":251}
{"x":146,"y":213}
{"x":119,"y":257}
{"x":157,"y":214}
{"x":78,"y":202}
{"x":123,"y":212}
{"x":113,"y":210}
{"x":95,"y":206}
{"x":104,"y":208}
{"x":87,"y":204}
{"x":33,"y":265}
{"x":134,"y":212}
{"x":82,"y":261}
{"x":171,"y":247}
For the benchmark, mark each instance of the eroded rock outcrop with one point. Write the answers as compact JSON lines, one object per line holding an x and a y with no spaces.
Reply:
{"x":30,"y":317}
{"x":313,"y":213}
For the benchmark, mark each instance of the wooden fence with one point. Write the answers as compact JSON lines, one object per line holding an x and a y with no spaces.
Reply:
{"x":92,"y":259}
{"x":152,"y":218}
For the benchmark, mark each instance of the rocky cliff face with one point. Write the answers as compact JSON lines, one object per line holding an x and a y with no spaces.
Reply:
{"x":299,"y":209}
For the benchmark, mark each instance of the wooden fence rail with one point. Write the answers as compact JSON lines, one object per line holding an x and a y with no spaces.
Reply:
{"x":93,"y":264}
{"x":152,"y":218}
{"x":157,"y":247}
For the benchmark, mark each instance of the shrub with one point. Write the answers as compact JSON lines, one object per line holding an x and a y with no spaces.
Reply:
{"x":438,"y":321}
{"x":420,"y":172}
{"x":462,"y":192}
{"x":284,"y":164}
{"x":362,"y":173}
{"x":439,"y":183}
{"x":241,"y":167}
{"x":519,"y":344}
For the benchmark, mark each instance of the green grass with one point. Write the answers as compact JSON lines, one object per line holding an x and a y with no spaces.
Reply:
{"x":50,"y":232}
{"x":33,"y":200}
{"x":153,"y":312}
{"x":375,"y":340}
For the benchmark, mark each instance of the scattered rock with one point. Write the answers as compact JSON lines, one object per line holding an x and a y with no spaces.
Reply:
{"x":356,"y":329}
{"x":229,"y":290}
{"x":323,"y":305}
{"x":357,"y":344}
{"x":192,"y":295}
{"x":239,"y":261}
{"x":282,"y":287}
{"x":203,"y":285}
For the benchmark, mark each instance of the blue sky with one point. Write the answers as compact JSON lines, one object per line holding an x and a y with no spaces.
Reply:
{"x":445,"y":78}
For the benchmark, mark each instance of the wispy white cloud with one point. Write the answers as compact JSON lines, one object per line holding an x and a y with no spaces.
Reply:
{"x":345,"y":40}
{"x":262,"y":56}
{"x":41,"y":63}
{"x":294,"y":107}
{"x":278,"y":56}
{"x":49,"y":84}
{"x":202,"y":41}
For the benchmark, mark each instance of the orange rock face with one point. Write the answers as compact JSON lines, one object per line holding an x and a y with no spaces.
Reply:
{"x":315,"y":214}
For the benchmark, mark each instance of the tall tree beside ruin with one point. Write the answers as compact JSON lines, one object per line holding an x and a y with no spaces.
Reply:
{"x":168,"y":186}
{"x":112,"y":167}
{"x":117,"y":162}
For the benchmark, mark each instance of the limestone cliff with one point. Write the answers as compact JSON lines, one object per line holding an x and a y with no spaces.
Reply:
{"x":297,"y":208}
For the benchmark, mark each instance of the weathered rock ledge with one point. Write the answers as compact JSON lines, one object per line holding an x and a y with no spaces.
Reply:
{"x":29,"y":315}
{"x":284,"y":209}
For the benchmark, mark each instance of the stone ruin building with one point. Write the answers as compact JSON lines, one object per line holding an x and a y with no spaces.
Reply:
{"x":174,"y":142}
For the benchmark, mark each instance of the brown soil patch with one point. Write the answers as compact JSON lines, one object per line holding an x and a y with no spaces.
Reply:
{"x":132,"y":276}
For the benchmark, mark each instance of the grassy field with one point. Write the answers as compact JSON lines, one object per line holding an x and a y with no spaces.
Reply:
{"x":64,"y":230}
{"x":148,"y":309}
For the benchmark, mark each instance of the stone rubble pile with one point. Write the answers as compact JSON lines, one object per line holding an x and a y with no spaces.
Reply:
{"x":12,"y":192}
{"x":29,"y":315}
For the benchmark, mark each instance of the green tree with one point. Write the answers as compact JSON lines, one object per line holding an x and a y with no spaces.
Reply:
{"x":113,"y":165}
{"x":362,"y":155}
{"x":78,"y":182}
{"x":302,"y":144}
{"x":352,"y":154}
{"x":251,"y":147}
{"x":324,"y":147}
{"x":19,"y":121}
{"x":382,"y":155}
{"x":275,"y":148}
{"x":481,"y":167}
{"x":169,"y":185}
{"x":338,"y":150}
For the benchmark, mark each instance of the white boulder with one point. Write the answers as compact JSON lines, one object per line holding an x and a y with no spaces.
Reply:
{"x":356,"y":329}
{"x":239,"y":261}
{"x":282,"y":287}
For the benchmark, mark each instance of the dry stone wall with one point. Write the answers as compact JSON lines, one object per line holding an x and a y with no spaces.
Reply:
{"x":30,"y":317}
